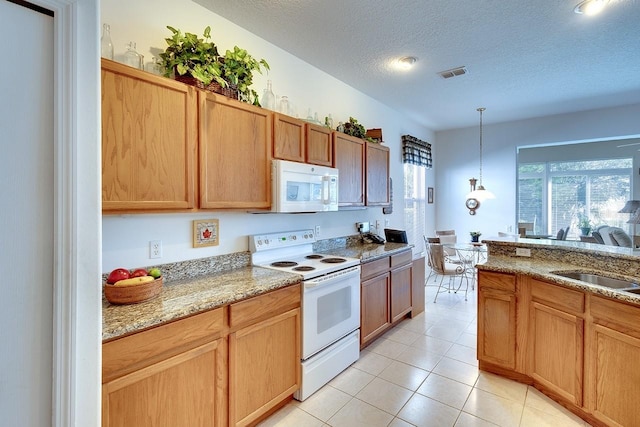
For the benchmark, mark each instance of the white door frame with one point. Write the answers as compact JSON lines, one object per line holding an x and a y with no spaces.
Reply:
{"x":77,"y":213}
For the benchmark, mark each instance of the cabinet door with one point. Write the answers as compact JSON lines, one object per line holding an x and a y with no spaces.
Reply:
{"x":401,"y":286}
{"x":264,"y":366}
{"x":348,"y":158}
{"x":377,"y":179}
{"x":235,"y":154}
{"x":319,"y":146}
{"x":557,"y":351}
{"x":288,"y":138}
{"x":374,"y":307}
{"x":496,"y":327}
{"x":149,"y":135}
{"x":613,"y":393}
{"x":184,"y":390}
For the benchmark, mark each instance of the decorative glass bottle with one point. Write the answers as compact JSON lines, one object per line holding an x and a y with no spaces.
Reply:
{"x":106,"y":46}
{"x":269,"y":99}
{"x":133,"y":58}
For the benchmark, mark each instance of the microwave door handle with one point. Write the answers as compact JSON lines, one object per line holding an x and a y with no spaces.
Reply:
{"x":326,"y":190}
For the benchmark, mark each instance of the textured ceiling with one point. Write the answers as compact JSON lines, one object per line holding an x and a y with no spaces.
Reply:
{"x":525,"y":59}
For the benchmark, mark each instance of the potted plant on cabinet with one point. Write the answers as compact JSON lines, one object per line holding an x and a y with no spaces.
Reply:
{"x":191,"y":59}
{"x":584,"y":225}
{"x":236,"y":69}
{"x":475,"y":236}
{"x":196,"y":61}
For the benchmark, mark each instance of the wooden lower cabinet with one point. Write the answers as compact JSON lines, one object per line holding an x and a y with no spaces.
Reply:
{"x":171,"y":375}
{"x":374,"y":307}
{"x":556,"y":337}
{"x":228,"y":366}
{"x":264,"y":362}
{"x":184,"y":390}
{"x":401,"y":290}
{"x":613,"y":391}
{"x":497,"y":319}
{"x":385,"y":294}
{"x":579,"y":348}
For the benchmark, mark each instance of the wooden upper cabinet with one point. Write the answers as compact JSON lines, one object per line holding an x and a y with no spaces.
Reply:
{"x":288,"y":138}
{"x":377,"y":179}
{"x":149,"y":141}
{"x":348,"y":158}
{"x":235,"y":154}
{"x":319,"y":146}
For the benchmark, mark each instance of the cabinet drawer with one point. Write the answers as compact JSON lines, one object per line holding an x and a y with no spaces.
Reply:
{"x":374,"y":268}
{"x":605,"y":311}
{"x":401,"y":259}
{"x":257,"y":308}
{"x":558,"y":297}
{"x":499,"y":281}
{"x":124,"y":355}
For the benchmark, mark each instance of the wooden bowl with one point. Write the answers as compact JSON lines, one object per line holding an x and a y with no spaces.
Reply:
{"x":132,"y":294}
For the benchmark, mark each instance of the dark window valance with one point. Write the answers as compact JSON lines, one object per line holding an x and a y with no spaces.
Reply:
{"x":416,"y":151}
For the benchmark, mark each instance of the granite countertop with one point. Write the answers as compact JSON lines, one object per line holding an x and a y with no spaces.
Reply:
{"x":368,"y":252}
{"x":189,"y":296}
{"x":542,"y":269}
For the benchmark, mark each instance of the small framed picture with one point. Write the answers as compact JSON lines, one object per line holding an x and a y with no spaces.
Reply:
{"x":206,"y":232}
{"x":430,"y":195}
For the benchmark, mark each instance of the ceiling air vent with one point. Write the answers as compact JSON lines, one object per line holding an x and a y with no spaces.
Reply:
{"x":454,"y":72}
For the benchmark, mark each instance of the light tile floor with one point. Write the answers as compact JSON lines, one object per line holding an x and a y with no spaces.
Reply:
{"x":424,"y":372}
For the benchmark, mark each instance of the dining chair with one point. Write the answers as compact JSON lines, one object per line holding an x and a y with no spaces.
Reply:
{"x":435,"y":252}
{"x":449,"y":237}
{"x":560,"y":234}
{"x":566,"y":233}
{"x":428,"y":241}
{"x":523,"y":227}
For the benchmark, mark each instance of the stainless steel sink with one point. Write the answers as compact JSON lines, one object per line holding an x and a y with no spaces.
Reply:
{"x":632,"y":290}
{"x":596,"y":279}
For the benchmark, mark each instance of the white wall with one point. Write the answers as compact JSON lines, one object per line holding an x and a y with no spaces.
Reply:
{"x":456,"y":160}
{"x":125,"y":238}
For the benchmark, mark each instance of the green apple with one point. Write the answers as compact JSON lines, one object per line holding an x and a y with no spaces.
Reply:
{"x":155,"y":273}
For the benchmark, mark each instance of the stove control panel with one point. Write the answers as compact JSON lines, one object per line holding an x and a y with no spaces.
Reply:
{"x":285,"y":239}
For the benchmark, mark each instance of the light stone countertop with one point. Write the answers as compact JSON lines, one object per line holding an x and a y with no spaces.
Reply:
{"x":184,"y":295}
{"x":548,"y":257}
{"x":190,"y":296}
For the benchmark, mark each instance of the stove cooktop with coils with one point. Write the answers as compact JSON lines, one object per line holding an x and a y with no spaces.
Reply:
{"x":292,"y":252}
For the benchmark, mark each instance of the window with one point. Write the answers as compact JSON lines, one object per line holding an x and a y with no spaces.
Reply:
{"x":415,"y":202}
{"x":555,"y":195}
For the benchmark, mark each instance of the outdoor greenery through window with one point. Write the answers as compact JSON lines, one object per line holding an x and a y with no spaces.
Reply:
{"x":556,"y":195}
{"x":415,"y":204}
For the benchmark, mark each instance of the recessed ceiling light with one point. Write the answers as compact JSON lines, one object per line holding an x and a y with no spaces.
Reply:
{"x":406,"y":62}
{"x":590,"y":7}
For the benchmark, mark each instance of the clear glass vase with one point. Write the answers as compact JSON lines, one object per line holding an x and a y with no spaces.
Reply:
{"x":268,"y":98}
{"x":106,"y":46}
{"x":133,"y":58}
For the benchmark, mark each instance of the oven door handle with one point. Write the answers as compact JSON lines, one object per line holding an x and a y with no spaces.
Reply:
{"x":332,"y":277}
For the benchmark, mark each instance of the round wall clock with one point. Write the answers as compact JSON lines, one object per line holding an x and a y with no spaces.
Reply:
{"x":472,"y":204}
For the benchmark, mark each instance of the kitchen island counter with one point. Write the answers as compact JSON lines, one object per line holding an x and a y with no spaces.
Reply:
{"x":547,"y":257}
{"x":185,"y":297}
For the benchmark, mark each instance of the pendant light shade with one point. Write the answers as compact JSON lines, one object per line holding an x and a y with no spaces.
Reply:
{"x":480,"y":193}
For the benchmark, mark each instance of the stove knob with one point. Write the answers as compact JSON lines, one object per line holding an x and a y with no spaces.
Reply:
{"x":259,"y":242}
{"x":293,"y":237}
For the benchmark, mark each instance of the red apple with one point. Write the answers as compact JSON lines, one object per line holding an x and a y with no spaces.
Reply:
{"x":139,"y":272}
{"x":118,"y":274}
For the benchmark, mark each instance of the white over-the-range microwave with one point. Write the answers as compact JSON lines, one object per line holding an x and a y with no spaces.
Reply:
{"x":301,"y":187}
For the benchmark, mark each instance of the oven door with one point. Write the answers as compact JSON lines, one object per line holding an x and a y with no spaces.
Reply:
{"x":330,"y":309}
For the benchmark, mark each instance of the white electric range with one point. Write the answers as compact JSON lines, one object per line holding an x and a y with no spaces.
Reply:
{"x":330,"y":302}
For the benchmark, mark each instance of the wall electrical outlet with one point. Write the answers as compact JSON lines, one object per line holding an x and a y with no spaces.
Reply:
{"x":523,"y":252}
{"x":377,"y":225}
{"x":362,"y":227}
{"x":155,"y":249}
{"x":317,"y":230}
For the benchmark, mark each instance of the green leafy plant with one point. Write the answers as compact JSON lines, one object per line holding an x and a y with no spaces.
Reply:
{"x":475,"y":233}
{"x":584,"y":222}
{"x":237,"y":67}
{"x":353,"y":128}
{"x":187,"y":54}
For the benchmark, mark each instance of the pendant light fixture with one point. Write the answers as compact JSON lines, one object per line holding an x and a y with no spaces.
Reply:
{"x":478,"y":194}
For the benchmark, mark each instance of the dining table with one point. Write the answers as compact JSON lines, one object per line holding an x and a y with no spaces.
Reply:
{"x":469,"y":254}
